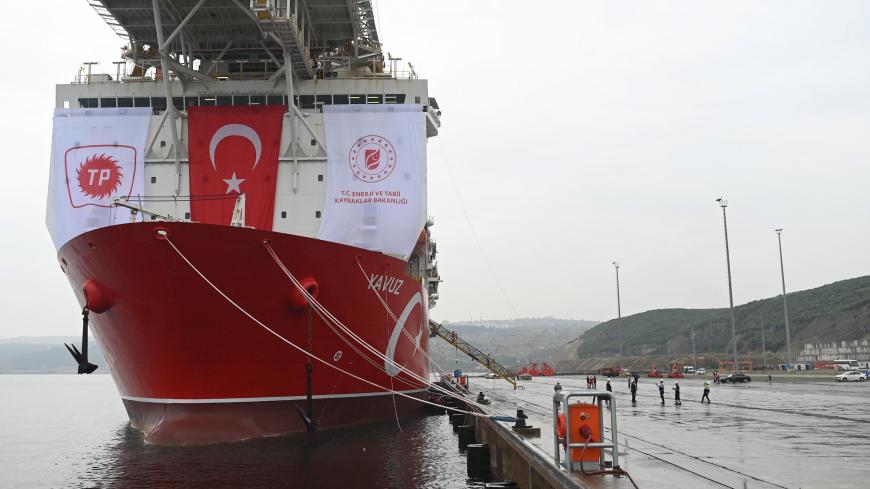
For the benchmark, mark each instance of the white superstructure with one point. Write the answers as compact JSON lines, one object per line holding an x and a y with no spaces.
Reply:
{"x":181,"y":53}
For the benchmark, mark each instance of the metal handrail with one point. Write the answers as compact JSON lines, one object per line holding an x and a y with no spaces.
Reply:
{"x":84,"y":79}
{"x":561,"y":399}
{"x":135,"y":209}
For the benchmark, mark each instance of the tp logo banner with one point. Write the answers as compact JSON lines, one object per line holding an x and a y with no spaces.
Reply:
{"x":96,"y":174}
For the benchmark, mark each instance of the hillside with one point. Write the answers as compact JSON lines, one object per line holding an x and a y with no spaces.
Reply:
{"x":834,"y":312}
{"x":44,"y":355}
{"x":511,"y":342}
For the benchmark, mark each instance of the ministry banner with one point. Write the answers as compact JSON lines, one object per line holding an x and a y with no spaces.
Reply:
{"x":376,"y":190}
{"x":97,"y":155}
{"x":234,"y":150}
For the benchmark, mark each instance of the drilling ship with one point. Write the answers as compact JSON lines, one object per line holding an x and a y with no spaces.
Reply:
{"x":239,"y":206}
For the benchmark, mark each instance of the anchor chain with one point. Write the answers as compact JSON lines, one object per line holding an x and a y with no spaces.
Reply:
{"x":309,"y":368}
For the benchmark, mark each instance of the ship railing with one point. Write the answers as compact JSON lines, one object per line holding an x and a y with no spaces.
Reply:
{"x":135,"y":210}
{"x":136,"y":205}
{"x":322,"y":74}
{"x":106,"y":78}
{"x":86,"y":79}
{"x":347,"y":75}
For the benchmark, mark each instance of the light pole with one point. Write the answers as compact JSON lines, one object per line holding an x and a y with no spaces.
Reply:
{"x":723,"y":204}
{"x":618,"y":305}
{"x":784,"y":300}
{"x":763,"y":347}
{"x":694,"y":360}
{"x":618,"y":309}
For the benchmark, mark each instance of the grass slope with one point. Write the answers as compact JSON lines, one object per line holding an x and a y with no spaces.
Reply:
{"x":834,"y":312}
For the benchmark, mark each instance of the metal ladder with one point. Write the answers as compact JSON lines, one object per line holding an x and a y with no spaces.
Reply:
{"x":285,"y":26}
{"x":473,"y":352}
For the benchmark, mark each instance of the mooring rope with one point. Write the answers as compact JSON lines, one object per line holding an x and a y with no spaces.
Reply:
{"x":319,"y":307}
{"x":368,"y":359}
{"x":392,"y":384}
{"x":332,"y":319}
{"x":297,"y":347}
{"x":393,"y":316}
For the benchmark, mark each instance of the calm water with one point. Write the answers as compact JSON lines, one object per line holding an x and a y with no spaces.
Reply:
{"x":72,"y":431}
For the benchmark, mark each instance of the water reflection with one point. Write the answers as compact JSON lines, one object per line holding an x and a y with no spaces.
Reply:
{"x":423,"y":454}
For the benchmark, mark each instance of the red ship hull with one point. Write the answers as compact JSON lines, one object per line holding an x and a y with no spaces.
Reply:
{"x":192,"y":368}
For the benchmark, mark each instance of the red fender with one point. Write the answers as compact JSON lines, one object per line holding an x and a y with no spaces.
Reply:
{"x":299,"y":301}
{"x":96,"y":297}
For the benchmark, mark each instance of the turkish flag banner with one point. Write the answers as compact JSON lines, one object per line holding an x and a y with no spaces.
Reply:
{"x":234,"y":150}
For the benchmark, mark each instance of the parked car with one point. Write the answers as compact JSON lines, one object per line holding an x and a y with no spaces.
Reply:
{"x":851,"y":376}
{"x":701,"y":371}
{"x":739,"y":377}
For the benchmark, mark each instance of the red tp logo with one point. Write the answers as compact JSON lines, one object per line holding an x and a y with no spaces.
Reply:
{"x":99,"y":176}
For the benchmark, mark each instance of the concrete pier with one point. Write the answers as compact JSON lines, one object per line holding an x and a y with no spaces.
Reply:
{"x":811,"y":433}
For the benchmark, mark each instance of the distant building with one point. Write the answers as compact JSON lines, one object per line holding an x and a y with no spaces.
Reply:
{"x":828,"y":352}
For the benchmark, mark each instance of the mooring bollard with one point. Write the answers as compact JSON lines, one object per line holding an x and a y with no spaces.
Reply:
{"x":522,"y":428}
{"x":478,"y":460}
{"x":466,"y":435}
{"x":457,"y":420}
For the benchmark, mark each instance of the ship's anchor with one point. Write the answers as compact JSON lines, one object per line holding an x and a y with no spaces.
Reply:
{"x":81,"y":357}
{"x":310,"y":424}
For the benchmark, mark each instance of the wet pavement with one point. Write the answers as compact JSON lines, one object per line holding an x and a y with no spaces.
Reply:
{"x":808,"y":433}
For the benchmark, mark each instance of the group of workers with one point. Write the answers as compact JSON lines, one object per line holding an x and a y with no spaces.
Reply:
{"x":632,"y":387}
{"x":676,"y":388}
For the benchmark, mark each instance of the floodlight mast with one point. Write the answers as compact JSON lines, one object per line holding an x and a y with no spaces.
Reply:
{"x":723,"y":204}
{"x":618,"y":308}
{"x":784,"y":300}
{"x":618,"y":304}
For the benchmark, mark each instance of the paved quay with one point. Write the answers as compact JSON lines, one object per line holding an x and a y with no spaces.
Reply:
{"x":794,"y":433}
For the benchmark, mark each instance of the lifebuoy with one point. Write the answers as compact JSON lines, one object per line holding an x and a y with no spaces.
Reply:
{"x":560,"y":429}
{"x":297,"y":299}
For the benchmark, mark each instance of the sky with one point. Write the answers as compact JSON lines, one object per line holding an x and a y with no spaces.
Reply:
{"x":574,"y":134}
